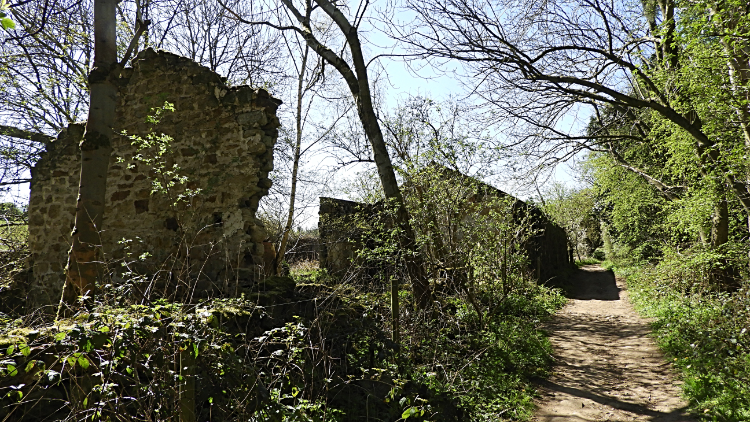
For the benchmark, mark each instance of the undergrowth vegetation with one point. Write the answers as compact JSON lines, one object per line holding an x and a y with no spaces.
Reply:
{"x":704,"y":331}
{"x":355,"y":346}
{"x":308,"y":349}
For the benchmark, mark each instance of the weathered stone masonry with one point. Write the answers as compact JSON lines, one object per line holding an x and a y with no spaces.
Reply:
{"x":340,"y":236}
{"x":223,"y":139}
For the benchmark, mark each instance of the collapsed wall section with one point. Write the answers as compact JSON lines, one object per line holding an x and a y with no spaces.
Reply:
{"x":179,"y":211}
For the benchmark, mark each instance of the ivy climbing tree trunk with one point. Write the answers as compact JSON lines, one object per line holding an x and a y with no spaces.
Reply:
{"x":84,"y":259}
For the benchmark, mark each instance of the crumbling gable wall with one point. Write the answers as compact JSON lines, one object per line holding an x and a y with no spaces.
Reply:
{"x":340,"y":238}
{"x":223,"y":139}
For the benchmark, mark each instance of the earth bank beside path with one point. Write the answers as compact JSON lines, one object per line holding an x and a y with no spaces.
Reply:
{"x":607,"y":366}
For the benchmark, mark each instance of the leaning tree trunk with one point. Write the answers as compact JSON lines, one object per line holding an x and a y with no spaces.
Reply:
{"x":367,"y":116}
{"x":414,"y":264}
{"x":84,"y":260}
{"x":359,"y":85}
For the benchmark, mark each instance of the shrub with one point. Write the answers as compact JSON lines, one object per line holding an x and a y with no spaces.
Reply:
{"x":702,"y":329}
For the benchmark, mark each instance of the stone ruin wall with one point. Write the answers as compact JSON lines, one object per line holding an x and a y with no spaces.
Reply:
{"x":339,"y":238}
{"x":223,"y":139}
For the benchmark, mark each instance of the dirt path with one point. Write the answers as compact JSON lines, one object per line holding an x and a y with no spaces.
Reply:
{"x":607,"y":366}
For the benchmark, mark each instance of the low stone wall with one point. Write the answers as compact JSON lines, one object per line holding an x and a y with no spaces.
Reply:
{"x":223,"y":139}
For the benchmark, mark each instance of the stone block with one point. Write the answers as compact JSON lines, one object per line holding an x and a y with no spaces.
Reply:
{"x":253,"y":119}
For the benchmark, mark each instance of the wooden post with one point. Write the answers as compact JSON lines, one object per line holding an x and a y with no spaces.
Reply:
{"x":187,"y":384}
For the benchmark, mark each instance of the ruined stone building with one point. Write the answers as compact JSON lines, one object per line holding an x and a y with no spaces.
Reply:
{"x":200,"y":227}
{"x":345,"y":227}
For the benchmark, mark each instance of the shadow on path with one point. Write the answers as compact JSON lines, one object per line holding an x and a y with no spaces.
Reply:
{"x":675,"y":415}
{"x":607,"y":365}
{"x":593,"y":284}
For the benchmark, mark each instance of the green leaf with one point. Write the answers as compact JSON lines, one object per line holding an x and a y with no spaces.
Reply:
{"x":412,"y":411}
{"x":12,"y":371}
{"x":30,"y":366}
{"x":83,"y":362}
{"x":24,"y":349}
{"x":7,"y":23}
{"x":60,"y":336}
{"x":11,"y":349}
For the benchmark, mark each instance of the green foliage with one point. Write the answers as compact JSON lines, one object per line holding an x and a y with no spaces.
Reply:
{"x":662,"y":185}
{"x":6,"y":22}
{"x":153,"y":151}
{"x":576,"y":212}
{"x":633,"y":211}
{"x":587,"y":261}
{"x":310,"y":275}
{"x":13,"y":237}
{"x":487,"y":365}
{"x":481,"y":344}
{"x":322,"y":357}
{"x":469,"y":234}
{"x":705,"y":333}
{"x":126,"y":362}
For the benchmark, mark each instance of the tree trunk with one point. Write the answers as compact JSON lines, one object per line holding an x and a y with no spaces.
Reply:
{"x":295,"y":167}
{"x":84,"y":260}
{"x":720,"y":223}
{"x":358,"y":82}
{"x":725,"y":275}
{"x":367,"y":116}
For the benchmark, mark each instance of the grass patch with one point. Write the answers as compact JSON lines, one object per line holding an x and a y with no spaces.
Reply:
{"x":12,"y":236}
{"x":587,"y":261}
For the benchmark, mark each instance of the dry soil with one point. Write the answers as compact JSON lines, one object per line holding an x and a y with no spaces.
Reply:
{"x":607,"y":366}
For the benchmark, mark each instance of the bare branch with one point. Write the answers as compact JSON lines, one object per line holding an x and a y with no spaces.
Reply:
{"x":25,"y":134}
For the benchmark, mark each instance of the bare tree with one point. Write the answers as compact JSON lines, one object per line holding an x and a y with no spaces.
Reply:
{"x":43,"y":88}
{"x":448,"y":132}
{"x":354,"y":70}
{"x":46,"y":59}
{"x":206,"y":32}
{"x":537,"y":63}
